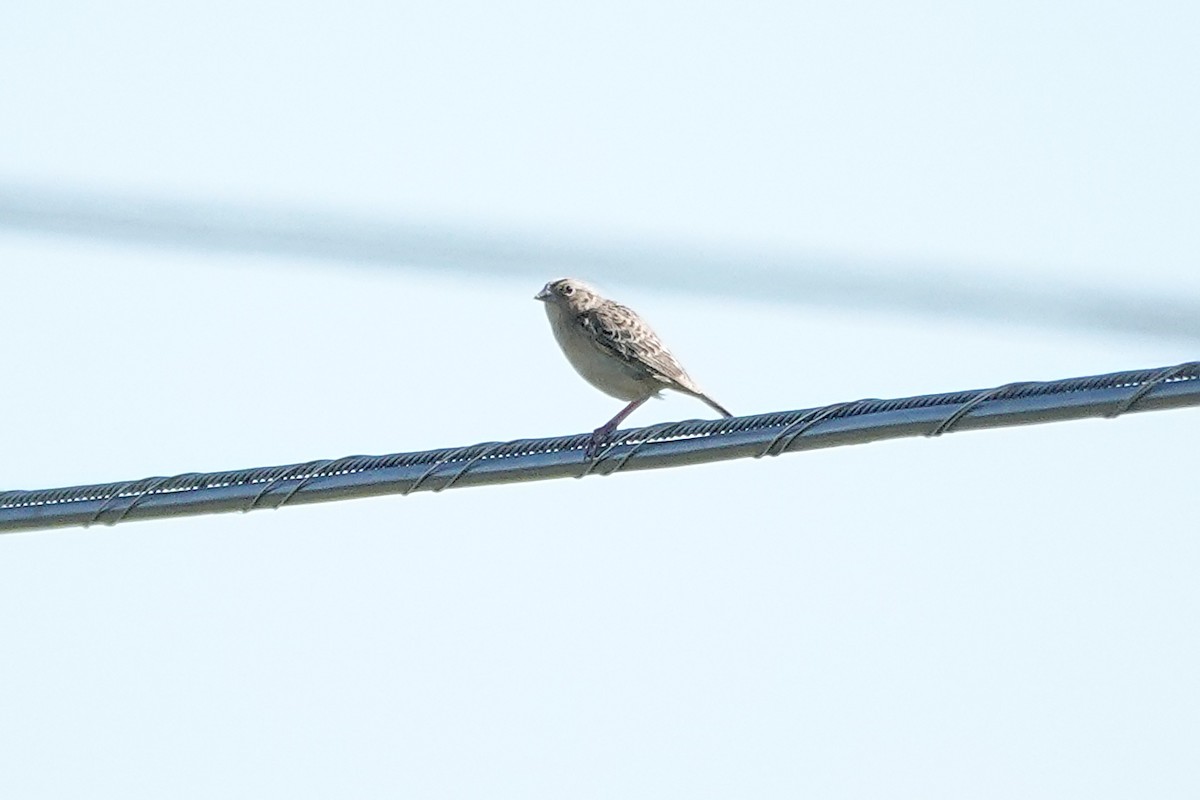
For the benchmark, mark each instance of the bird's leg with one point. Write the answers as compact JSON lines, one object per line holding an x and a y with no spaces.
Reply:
{"x":601,"y":434}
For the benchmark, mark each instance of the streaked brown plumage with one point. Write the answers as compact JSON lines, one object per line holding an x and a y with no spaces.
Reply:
{"x":613,"y":349}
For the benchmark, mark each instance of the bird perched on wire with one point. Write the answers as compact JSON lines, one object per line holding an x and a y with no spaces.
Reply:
{"x":614,"y":350}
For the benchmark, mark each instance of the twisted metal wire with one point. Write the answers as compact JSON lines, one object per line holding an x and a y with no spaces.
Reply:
{"x":663,"y":445}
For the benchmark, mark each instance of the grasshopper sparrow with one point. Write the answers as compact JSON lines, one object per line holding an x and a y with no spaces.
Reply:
{"x":614,"y":350}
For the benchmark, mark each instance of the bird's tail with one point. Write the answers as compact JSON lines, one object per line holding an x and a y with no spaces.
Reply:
{"x":720,"y":409}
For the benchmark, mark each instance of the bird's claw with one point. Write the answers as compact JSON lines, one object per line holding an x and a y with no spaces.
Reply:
{"x":595,"y":446}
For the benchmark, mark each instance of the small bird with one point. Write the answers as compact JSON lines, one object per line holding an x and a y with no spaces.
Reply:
{"x":614,"y":350}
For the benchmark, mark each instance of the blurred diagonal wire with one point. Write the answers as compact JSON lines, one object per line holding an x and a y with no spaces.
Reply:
{"x":747,"y":274}
{"x":665,"y":445}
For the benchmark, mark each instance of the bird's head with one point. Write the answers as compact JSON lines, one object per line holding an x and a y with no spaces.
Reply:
{"x":569,"y":293}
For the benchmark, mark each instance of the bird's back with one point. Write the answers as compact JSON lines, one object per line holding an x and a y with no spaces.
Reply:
{"x":620,"y":330}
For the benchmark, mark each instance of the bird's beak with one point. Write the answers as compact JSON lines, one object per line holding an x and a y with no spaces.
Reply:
{"x":543,"y":295}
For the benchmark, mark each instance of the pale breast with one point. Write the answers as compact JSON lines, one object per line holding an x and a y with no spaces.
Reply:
{"x":606,"y":372}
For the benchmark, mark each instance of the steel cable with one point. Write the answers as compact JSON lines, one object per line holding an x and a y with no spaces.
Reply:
{"x":657,"y":446}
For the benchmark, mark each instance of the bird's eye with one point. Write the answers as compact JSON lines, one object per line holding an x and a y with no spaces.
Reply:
{"x":568,"y":289}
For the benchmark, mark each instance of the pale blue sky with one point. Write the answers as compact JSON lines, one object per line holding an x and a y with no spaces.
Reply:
{"x":995,"y":614}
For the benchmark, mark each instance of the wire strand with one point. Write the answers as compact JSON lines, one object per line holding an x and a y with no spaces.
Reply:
{"x":775,"y":276}
{"x":657,"y":446}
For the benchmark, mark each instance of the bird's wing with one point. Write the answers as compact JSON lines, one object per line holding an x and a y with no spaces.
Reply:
{"x":621,"y":332}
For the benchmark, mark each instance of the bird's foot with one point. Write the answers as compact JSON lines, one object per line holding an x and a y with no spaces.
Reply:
{"x":600,"y":438}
